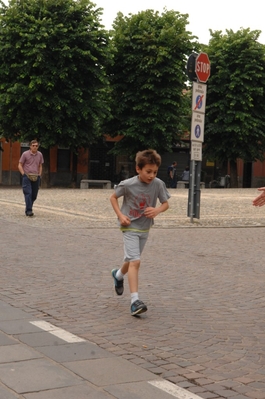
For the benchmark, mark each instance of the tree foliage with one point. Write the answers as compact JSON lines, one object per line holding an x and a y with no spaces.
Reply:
{"x":147,"y":80}
{"x":235,"y":111}
{"x":53,"y":81}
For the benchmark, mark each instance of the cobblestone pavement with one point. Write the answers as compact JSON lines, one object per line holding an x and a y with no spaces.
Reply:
{"x":203,"y":283}
{"x":92,"y":208}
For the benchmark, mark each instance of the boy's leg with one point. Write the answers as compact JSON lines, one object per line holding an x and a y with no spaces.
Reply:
{"x":137,"y":306}
{"x":133,"y":275}
{"x":133,"y":246}
{"x":125,"y":267}
{"x":133,"y":249}
{"x":118,"y":276}
{"x":132,"y":268}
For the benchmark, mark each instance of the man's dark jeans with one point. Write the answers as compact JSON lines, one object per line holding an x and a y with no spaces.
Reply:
{"x":30,"y":191}
{"x":173,"y":183}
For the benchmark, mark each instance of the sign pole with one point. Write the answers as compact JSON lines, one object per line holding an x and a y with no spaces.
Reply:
{"x":191,"y":189}
{"x":198,"y":70}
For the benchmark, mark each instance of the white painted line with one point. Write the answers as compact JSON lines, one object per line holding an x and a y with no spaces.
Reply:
{"x":174,"y":390}
{"x":44,"y":325}
{"x":58,"y":332}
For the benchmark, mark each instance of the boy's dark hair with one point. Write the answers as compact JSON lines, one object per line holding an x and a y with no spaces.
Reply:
{"x":147,"y":157}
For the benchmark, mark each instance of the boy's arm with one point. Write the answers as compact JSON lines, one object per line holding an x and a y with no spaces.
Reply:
{"x":124,"y":220}
{"x":151,"y":212}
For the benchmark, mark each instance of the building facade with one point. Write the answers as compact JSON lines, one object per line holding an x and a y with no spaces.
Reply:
{"x":67,"y":169}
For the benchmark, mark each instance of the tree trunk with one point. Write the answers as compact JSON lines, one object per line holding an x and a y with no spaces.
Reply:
{"x":45,"y":181}
{"x":233,"y":174}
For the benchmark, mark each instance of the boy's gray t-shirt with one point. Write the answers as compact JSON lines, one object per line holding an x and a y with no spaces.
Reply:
{"x":137,"y":196}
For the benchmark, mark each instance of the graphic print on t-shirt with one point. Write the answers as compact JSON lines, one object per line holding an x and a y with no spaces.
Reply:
{"x":141,"y":202}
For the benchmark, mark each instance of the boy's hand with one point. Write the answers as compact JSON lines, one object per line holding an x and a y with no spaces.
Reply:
{"x":124,"y":220}
{"x":151,"y":212}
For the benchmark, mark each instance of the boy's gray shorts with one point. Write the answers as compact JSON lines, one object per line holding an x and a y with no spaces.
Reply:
{"x":134,"y":243}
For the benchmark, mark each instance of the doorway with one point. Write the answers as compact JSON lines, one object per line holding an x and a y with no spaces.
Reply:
{"x":247,"y":174}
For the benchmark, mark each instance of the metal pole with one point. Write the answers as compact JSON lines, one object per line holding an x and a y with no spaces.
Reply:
{"x":192,"y":181}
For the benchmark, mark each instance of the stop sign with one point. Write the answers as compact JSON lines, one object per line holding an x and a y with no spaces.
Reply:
{"x":202,"y":67}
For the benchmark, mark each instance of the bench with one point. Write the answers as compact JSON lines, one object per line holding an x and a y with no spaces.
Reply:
{"x":184,"y":184}
{"x":104,"y":183}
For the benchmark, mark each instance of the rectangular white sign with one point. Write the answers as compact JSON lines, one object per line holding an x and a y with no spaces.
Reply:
{"x":197,"y":127}
{"x":199,"y":97}
{"x":196,"y":151}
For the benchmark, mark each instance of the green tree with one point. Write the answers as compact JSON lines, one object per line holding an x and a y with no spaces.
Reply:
{"x":53,"y":81}
{"x":235,"y":111}
{"x":149,"y":108}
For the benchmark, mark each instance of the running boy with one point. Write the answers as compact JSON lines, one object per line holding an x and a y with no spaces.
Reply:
{"x":136,"y":216}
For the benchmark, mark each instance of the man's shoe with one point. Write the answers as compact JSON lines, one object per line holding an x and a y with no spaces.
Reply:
{"x":29,"y":214}
{"x":118,"y":284}
{"x":138,"y":307}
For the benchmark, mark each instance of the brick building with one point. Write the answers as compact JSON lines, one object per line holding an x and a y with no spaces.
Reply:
{"x":96,"y":163}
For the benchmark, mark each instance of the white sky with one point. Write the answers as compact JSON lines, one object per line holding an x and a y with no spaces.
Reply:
{"x":203,"y":15}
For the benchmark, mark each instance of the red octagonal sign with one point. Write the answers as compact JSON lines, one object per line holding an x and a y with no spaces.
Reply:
{"x":202,"y":67}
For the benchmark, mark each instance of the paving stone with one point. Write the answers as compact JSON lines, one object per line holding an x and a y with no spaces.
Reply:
{"x":138,"y":390}
{"x":74,"y":352}
{"x":17,"y":352}
{"x":17,"y":327}
{"x":10,"y":313}
{"x":40,"y":339}
{"x":6,"y":340}
{"x":6,"y":393}
{"x":83,"y":391}
{"x":35,"y":375}
{"x":102,"y":372}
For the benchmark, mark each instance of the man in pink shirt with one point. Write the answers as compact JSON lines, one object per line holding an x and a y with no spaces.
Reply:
{"x":30,"y":167}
